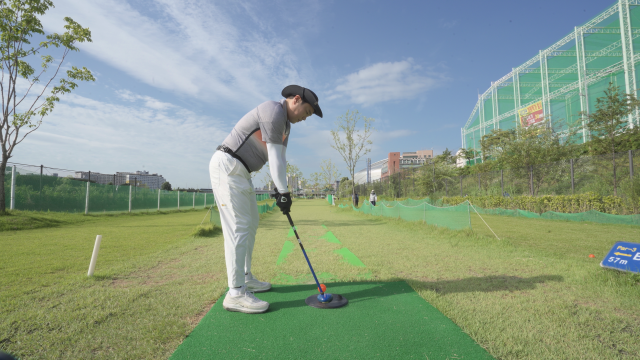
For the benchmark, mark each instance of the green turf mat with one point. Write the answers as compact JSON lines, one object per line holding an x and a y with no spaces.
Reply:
{"x":382,"y":320}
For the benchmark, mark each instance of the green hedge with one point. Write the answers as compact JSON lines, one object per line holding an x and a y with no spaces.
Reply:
{"x":558,"y":203}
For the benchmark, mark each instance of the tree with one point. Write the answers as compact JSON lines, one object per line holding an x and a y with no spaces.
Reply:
{"x":314,"y":181}
{"x":328,"y":173}
{"x":521,"y":149}
{"x":166,"y":186}
{"x":19,"y":22}
{"x":446,"y":157}
{"x":292,"y":170}
{"x":610,"y":119}
{"x":352,"y":143}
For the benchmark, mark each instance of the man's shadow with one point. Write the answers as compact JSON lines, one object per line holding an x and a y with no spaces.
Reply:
{"x":374,"y":290}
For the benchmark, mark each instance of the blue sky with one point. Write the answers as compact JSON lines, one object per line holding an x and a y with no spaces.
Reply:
{"x":174,"y":76}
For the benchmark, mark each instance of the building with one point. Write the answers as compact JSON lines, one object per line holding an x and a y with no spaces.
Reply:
{"x":562,"y":82}
{"x":138,"y":178}
{"x":142,"y":178}
{"x":293,"y":183}
{"x":395,"y":162}
{"x":98,"y":178}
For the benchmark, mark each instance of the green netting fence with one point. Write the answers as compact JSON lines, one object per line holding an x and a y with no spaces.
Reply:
{"x":33,"y":191}
{"x":453,"y":217}
{"x":36,"y":190}
{"x":591,"y":215}
{"x":262,"y":197}
{"x":391,"y":209}
{"x":262,"y":209}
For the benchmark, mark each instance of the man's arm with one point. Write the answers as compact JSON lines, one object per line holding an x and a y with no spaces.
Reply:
{"x":278,"y":166}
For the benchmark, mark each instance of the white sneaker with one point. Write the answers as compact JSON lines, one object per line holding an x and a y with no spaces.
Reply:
{"x":255,"y":285}
{"x":244,"y":302}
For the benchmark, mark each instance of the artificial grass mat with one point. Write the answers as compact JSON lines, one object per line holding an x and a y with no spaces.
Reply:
{"x":382,"y":319}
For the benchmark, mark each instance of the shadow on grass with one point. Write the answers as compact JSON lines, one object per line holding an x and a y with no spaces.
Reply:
{"x":392,"y":287}
{"x":9,"y":222}
{"x":372,"y":290}
{"x":484,"y":284}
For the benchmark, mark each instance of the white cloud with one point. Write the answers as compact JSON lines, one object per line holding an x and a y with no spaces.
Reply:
{"x":148,"y":101}
{"x":448,"y":24}
{"x":85,"y":134}
{"x":190,"y":47}
{"x":386,"y":81}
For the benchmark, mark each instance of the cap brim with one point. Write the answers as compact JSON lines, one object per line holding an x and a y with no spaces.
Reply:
{"x":317,"y":110}
{"x":307,"y":96}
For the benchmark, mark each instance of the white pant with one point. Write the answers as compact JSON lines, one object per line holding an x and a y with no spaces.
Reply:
{"x":236,"y":200}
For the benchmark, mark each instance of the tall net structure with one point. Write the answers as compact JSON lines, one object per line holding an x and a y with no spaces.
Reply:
{"x":563,"y":81}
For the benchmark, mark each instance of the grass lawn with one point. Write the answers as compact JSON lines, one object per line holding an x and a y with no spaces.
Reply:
{"x":534,"y":294}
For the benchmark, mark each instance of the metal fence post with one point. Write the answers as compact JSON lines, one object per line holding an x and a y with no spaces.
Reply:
{"x":130,"y":189}
{"x":205,"y":200}
{"x":572,"y":182}
{"x":178,"y":199}
{"x":159,"y":191}
{"x":194,"y":200}
{"x":12,"y":203}
{"x":86,"y":201}
{"x":502,"y":181}
{"x":41,"y":167}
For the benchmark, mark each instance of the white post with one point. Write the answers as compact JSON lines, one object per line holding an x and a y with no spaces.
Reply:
{"x":94,"y":256}
{"x":86,"y":201}
{"x":159,"y":191}
{"x":205,"y":200}
{"x":130,"y":197}
{"x":12,"y":204}
{"x":194,"y":200}
{"x":178,"y":199}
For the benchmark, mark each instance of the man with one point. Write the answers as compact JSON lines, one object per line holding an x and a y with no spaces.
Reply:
{"x":261,"y":135}
{"x":373,"y":198}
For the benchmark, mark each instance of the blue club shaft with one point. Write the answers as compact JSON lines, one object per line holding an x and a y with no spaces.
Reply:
{"x":305,"y":253}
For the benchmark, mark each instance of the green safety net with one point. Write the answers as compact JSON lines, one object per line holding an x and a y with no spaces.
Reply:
{"x":603,"y":54}
{"x":262,"y":209}
{"x":400,"y":208}
{"x":330,"y":199}
{"x":592,"y":215}
{"x":262,"y":197}
{"x":452,"y":217}
{"x":35,"y":192}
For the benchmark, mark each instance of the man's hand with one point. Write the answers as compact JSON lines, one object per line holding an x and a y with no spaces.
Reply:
{"x":284,"y":202}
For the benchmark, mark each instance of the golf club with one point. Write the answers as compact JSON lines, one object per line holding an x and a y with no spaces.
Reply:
{"x":322,"y":301}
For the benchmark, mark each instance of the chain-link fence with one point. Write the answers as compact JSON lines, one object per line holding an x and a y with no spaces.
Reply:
{"x":567,"y":177}
{"x":40,"y":188}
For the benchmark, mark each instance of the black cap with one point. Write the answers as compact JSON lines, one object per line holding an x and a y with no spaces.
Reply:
{"x":307,"y":96}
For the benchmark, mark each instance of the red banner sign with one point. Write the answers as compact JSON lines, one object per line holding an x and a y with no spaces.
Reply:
{"x":531,"y":115}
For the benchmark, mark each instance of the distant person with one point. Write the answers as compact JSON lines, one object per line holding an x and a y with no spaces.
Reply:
{"x":373,"y":198}
{"x":261,"y":135}
{"x":355,"y":199}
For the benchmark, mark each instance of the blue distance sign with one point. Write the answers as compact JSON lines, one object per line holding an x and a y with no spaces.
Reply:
{"x":623,"y":256}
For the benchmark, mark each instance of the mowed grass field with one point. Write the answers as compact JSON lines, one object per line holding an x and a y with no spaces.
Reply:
{"x":535,"y":294}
